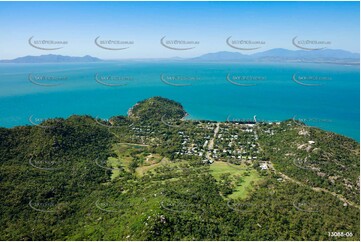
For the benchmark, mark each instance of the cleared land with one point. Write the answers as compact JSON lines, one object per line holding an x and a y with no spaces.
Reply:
{"x":248,"y":177}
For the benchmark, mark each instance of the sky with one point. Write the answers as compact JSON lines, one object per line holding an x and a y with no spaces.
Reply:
{"x":145,"y":23}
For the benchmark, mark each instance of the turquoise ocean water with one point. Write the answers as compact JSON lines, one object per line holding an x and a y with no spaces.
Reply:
{"x":332,"y":103}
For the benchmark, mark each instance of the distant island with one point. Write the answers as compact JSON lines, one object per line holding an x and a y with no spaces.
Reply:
{"x":278,"y":55}
{"x":284,"y":55}
{"x":52,"y":59}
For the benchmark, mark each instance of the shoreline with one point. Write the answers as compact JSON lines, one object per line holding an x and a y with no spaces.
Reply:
{"x":187,"y":117}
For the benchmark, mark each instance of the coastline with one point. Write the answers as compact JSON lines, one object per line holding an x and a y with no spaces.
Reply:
{"x":187,"y":117}
{"x":130,"y":110}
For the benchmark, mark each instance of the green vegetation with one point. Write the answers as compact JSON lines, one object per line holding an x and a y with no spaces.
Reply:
{"x":314,"y":157}
{"x":242,"y":178}
{"x":144,"y":178}
{"x":166,"y":109}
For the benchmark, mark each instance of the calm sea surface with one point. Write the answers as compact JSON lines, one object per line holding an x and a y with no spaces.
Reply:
{"x":321,"y":95}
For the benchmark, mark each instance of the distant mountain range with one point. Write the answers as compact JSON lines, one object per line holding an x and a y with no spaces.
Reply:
{"x":52,"y":59}
{"x":284,"y":55}
{"x":273,"y":55}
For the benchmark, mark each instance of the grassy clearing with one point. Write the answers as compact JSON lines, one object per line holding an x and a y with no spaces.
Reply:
{"x":249,"y":175}
{"x":116,"y":165}
{"x":152,"y":159}
{"x":140,"y":171}
{"x":163,"y":161}
{"x":126,"y":153}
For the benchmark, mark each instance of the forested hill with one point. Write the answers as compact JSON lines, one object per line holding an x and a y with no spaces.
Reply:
{"x":155,"y":108}
{"x":154,"y":176}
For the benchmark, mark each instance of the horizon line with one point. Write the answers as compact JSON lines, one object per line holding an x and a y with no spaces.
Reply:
{"x":177,"y":57}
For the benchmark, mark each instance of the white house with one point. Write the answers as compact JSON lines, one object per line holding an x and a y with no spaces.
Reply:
{"x":264,"y":166}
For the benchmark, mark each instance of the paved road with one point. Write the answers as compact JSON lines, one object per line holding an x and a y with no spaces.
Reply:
{"x":211,"y":142}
